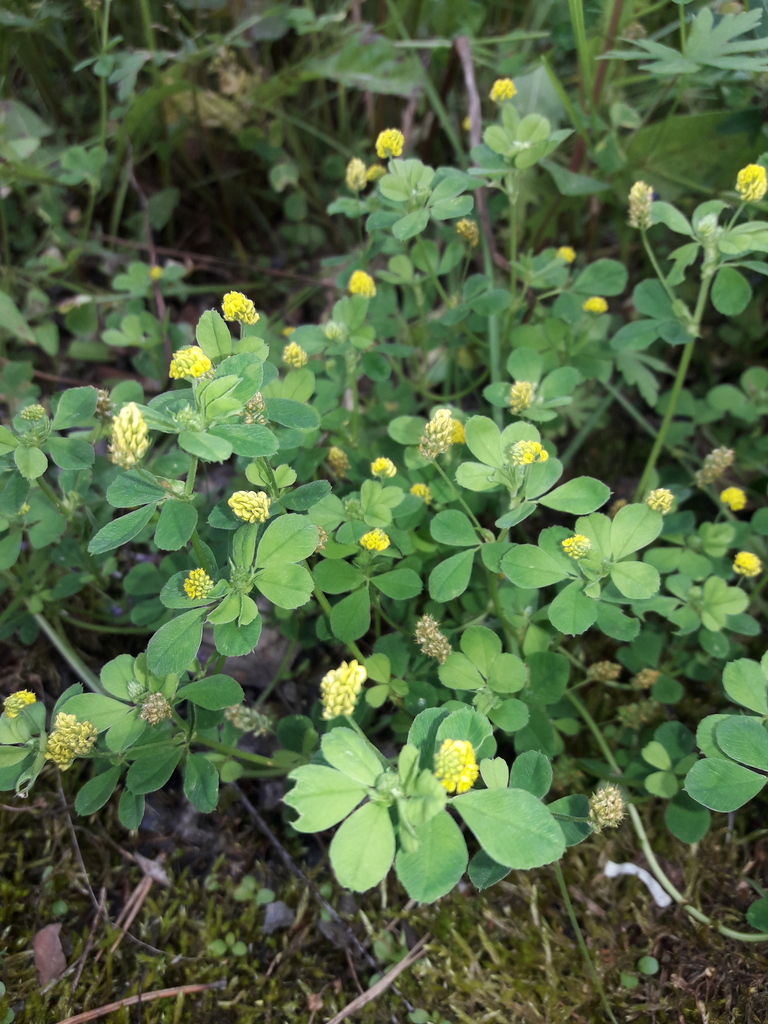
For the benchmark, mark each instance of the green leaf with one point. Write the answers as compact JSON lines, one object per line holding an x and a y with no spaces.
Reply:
{"x":511,"y":715}
{"x":507,"y":674}
{"x":482,"y":647}
{"x":453,"y":528}
{"x":251,"y":440}
{"x":288,"y":413}
{"x":351,"y":617}
{"x":399,"y":584}
{"x":212,"y":335}
{"x":634,"y":527}
{"x":213,"y":693}
{"x":205,"y":445}
{"x":495,"y":773}
{"x":722,"y":785}
{"x":549,"y":674}
{"x":484,"y":871}
{"x":363,"y":848}
{"x":201,"y":783}
{"x":335,"y":576}
{"x":125,"y":732}
{"x":75,"y":409}
{"x":348,"y":752}
{"x":11,"y":318}
{"x":30,"y":462}
{"x":458,"y":673}
{"x":757,"y":914}
{"x":745,"y":683}
{"x":731,"y":292}
{"x":579,"y":496}
{"x":571,"y":611}
{"x":665,"y":213}
{"x":234,"y":640}
{"x":529,"y":567}
{"x":720,"y":601}
{"x":176,"y":643}
{"x":101,"y":711}
{"x":635,"y":580}
{"x":745,"y":740}
{"x":120,"y":531}
{"x":136,"y":487}
{"x":484,"y":441}
{"x":601,"y":277}
{"x":287,"y":586}
{"x":130,"y":810}
{"x":97,"y":791}
{"x":152,"y":770}
{"x":306,"y":496}
{"x":575,"y":806}
{"x":512,"y":826}
{"x":322,"y":796}
{"x":450,"y":578}
{"x":70,"y":452}
{"x":410,"y":225}
{"x":174,"y":527}
{"x":571,"y":184}
{"x":685,"y":819}
{"x":290,"y":538}
{"x":614,"y":623}
{"x":435,"y":867}
{"x":467,"y":724}
{"x":532,"y":772}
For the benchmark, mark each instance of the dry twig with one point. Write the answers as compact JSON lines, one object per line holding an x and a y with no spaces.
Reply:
{"x":146,"y":997}
{"x":383,"y":983}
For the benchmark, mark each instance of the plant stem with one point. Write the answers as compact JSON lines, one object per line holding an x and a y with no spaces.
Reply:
{"x":191,"y":474}
{"x":244,"y":755}
{"x":200,"y":553}
{"x":325,"y":604}
{"x":77,"y":665}
{"x":581,"y":943}
{"x":281,"y":668}
{"x":458,"y":496}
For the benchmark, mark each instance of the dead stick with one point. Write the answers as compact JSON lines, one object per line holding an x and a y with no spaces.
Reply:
{"x":383,"y":983}
{"x":163,"y":993}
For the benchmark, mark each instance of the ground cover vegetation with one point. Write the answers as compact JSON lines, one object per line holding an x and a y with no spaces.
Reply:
{"x":427,"y":340}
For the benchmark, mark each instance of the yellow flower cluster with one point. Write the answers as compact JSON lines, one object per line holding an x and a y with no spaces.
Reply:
{"x":455,"y":765}
{"x":33,"y":413}
{"x":577,"y":546}
{"x":340,"y":688}
{"x":457,"y":432}
{"x":383,"y":468}
{"x":189,"y":362}
{"x":438,"y":435}
{"x":235,"y":306}
{"x":422,"y":491}
{"x":524,"y":453}
{"x":521,"y":395}
{"x":155,"y":708}
{"x":252,"y":506}
{"x":747,"y":564}
{"x":69,"y":739}
{"x":155,"y":273}
{"x":660,"y":500}
{"x":389,"y":143}
{"x":294,"y":355}
{"x":734,"y":498}
{"x":595,"y":304}
{"x":640,"y":201}
{"x":565,"y":252}
{"x":16,"y":702}
{"x":129,"y":437}
{"x":502,"y":89}
{"x":752,"y":183}
{"x":468,"y":230}
{"x":375,"y":171}
{"x":606,"y":807}
{"x":198,"y":585}
{"x":338,"y":461}
{"x":356,"y":177}
{"x":362,"y":284}
{"x":715,"y":464}
{"x":375,"y":540}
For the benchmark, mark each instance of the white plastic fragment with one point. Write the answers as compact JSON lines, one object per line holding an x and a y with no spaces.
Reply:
{"x":660,"y":898}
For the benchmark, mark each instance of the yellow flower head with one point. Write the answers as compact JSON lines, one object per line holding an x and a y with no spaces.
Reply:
{"x":375,"y":171}
{"x":287,"y":331}
{"x":33,"y":413}
{"x":457,"y":432}
{"x":521,"y":395}
{"x":69,"y":739}
{"x":503,"y":89}
{"x":362,"y":284}
{"x":752,"y":183}
{"x":355,"y":176}
{"x":438,"y":435}
{"x":734,"y":498}
{"x":189,"y":362}
{"x":455,"y":765}
{"x":340,"y":688}
{"x":16,"y":702}
{"x":198,"y":584}
{"x":129,"y":437}
{"x":235,"y":306}
{"x":338,"y":461}
{"x":468,"y":230}
{"x":660,"y":500}
{"x":294,"y":355}
{"x":524,"y":453}
{"x":595,"y":304}
{"x":155,"y":273}
{"x":375,"y":540}
{"x":252,"y":506}
{"x":389,"y":143}
{"x":565,"y":252}
{"x":747,"y":564}
{"x":383,"y":468}
{"x":640,"y":202}
{"x":466,"y":123}
{"x":423,"y":492}
{"x":576,"y":546}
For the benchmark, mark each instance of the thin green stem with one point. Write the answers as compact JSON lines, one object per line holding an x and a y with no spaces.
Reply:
{"x":325,"y":604}
{"x":200,"y":552}
{"x":656,"y":266}
{"x":278,"y":676}
{"x":581,"y":943}
{"x":74,"y":661}
{"x":458,"y":496}
{"x":597,"y":414}
{"x":191,"y":474}
{"x":98,"y":628}
{"x":576,"y":11}
{"x":243,"y":755}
